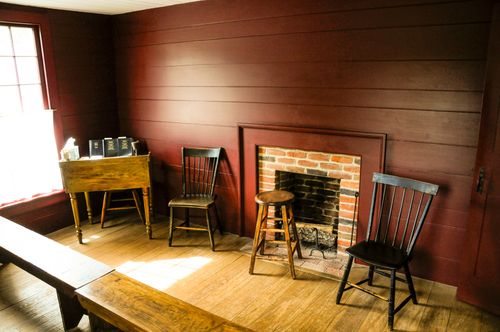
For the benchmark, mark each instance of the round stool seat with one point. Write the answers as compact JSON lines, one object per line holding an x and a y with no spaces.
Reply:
{"x":274,"y":197}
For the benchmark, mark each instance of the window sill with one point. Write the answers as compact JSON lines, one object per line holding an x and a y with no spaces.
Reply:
{"x":32,"y":204}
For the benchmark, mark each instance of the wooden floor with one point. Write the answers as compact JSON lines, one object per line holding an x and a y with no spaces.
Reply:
{"x":219,"y":282}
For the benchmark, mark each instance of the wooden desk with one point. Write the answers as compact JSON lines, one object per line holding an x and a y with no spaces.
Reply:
{"x":116,"y":173}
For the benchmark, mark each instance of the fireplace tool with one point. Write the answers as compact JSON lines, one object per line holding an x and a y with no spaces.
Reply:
{"x":356,"y":197}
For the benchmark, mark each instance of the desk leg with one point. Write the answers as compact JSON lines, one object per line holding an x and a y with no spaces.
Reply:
{"x":76,"y":217}
{"x":151,"y":201}
{"x":89,"y":206}
{"x":145,"y":196}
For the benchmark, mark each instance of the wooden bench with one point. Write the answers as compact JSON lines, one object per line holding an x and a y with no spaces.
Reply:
{"x":86,"y":286}
{"x":64,"y":269}
{"x":133,"y":306}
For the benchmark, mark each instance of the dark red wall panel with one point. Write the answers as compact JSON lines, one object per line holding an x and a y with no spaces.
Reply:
{"x":413,"y":70}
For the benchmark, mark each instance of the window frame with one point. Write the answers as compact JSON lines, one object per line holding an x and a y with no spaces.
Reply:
{"x":40,"y":58}
{"x":39,"y":21}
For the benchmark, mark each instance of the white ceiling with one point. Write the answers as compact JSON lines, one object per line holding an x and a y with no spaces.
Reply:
{"x":109,"y":7}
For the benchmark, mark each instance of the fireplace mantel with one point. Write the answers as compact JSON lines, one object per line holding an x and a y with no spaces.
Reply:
{"x":369,"y":146}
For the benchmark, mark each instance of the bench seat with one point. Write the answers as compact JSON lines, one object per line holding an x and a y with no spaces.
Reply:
{"x":62,"y":268}
{"x":133,"y":306}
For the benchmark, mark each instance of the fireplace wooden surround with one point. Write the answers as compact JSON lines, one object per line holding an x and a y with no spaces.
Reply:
{"x":370,"y":147}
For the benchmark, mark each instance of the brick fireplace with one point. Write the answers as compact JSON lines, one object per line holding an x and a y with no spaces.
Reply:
{"x":325,"y":185}
{"x":341,"y":159}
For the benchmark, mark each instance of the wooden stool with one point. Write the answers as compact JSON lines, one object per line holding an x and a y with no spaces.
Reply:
{"x":281,"y":200}
{"x":107,"y":200}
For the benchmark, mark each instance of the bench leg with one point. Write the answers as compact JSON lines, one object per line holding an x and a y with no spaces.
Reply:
{"x":98,"y":324}
{"x":71,"y":310}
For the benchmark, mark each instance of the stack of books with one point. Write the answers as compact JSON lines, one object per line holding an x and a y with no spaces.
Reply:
{"x":110,"y":147}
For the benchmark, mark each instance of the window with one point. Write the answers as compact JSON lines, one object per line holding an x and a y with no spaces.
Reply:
{"x":28,"y":167}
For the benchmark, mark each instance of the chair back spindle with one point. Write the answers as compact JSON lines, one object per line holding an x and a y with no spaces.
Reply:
{"x":199,"y":171}
{"x":403,"y":206}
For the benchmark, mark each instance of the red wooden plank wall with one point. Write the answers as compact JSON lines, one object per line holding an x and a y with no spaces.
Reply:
{"x":187,"y":75}
{"x":85,"y":75}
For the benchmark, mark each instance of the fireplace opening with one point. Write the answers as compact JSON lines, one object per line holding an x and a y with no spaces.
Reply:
{"x":316,"y":207}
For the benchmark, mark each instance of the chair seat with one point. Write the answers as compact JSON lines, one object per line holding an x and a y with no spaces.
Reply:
{"x":201,"y":202}
{"x":379,"y":254}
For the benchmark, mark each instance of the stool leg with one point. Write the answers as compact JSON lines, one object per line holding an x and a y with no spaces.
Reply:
{"x":284,"y":215}
{"x":263,"y":233}
{"x":295,"y":233}
{"x":105,"y":205}
{"x":137,"y":204}
{"x":256,"y":238}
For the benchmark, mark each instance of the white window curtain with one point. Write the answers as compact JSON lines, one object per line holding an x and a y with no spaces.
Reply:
{"x":29,"y":158}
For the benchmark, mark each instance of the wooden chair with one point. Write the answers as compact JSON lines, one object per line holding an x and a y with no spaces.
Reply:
{"x":398,"y":211}
{"x":199,"y":172}
{"x":122,"y":203}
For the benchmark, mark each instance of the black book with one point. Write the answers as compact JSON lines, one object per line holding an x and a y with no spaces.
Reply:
{"x":96,"y":148}
{"x":124,"y":146}
{"x":110,"y":147}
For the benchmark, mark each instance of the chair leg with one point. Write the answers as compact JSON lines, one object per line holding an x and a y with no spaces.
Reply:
{"x":221,"y":230}
{"x":390,"y":319}
{"x":370,"y":275}
{"x":209,"y":228}
{"x":186,"y":217}
{"x":409,"y":281}
{"x":256,"y":239}
{"x":138,"y":205}
{"x":105,"y":203}
{"x":344,"y":279}
{"x":171,"y":228}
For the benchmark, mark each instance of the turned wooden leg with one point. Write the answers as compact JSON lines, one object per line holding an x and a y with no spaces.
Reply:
{"x":286,"y":228}
{"x":89,"y":206}
{"x":256,"y":239}
{"x":263,"y":233}
{"x":76,"y":217}
{"x":295,"y":232}
{"x":145,"y":197}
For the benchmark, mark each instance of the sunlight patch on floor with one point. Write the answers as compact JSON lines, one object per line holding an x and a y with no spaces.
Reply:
{"x":161,"y":274}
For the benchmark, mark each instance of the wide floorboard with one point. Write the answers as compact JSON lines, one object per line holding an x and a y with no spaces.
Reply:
{"x":219,"y":282}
